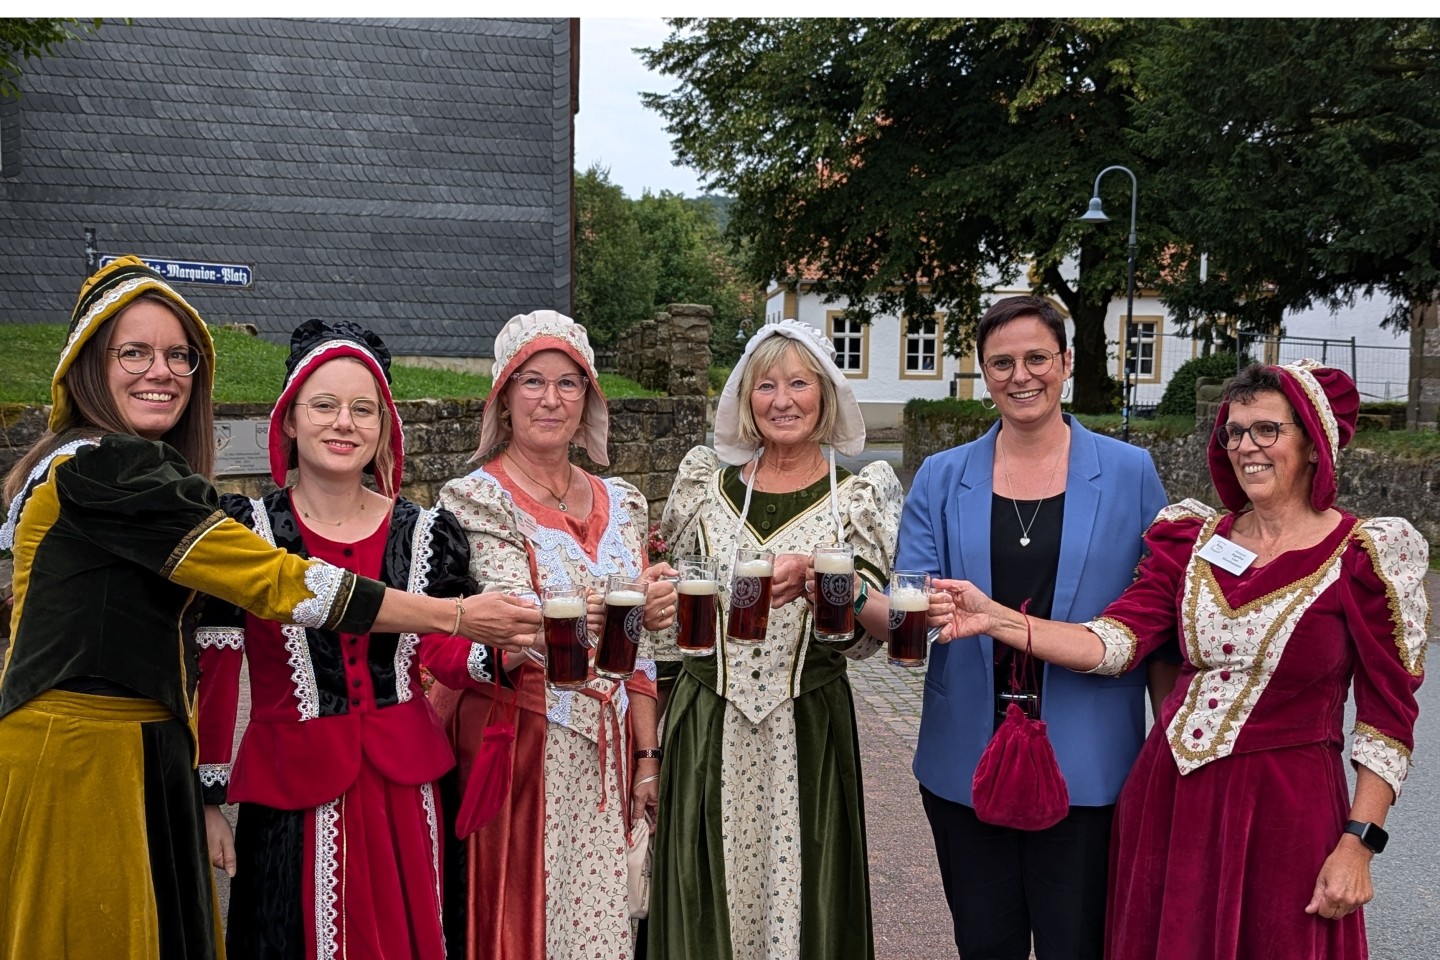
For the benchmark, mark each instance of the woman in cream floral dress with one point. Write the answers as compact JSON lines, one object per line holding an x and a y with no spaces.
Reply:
{"x":760,"y":848}
{"x":547,"y":876}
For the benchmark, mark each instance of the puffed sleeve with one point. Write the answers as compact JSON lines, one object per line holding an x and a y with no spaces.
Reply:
{"x":872,"y":508}
{"x":1146,"y":615}
{"x":138,"y":499}
{"x":454,"y":661}
{"x":499,"y":554}
{"x":680,"y":529}
{"x":220,"y":638}
{"x":635,"y":529}
{"x":1389,"y":620}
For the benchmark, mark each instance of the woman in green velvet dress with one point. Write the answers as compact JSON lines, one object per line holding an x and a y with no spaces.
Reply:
{"x":760,"y":843}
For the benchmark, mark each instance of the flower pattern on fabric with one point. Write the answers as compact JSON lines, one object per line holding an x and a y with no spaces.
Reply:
{"x":1384,"y":756}
{"x":1401,"y":557}
{"x":1235,"y":652}
{"x":1119,"y":643}
{"x":760,"y":828}
{"x":587,"y":914}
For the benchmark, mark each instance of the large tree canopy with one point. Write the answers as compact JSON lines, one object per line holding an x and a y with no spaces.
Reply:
{"x":910,"y":162}
{"x":1302,"y":155}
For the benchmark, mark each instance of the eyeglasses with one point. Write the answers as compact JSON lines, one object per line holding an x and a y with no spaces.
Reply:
{"x":1038,"y":362}
{"x":1263,"y":432}
{"x":533,"y":386}
{"x":137,"y":358}
{"x":767,"y":388}
{"x":323,"y":411}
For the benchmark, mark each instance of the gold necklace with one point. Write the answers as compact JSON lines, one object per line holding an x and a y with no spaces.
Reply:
{"x":1005,"y":466}
{"x":781,"y":474}
{"x":332,"y":523}
{"x":559,"y":497}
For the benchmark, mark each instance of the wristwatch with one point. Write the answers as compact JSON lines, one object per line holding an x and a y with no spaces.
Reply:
{"x":1371,"y":835}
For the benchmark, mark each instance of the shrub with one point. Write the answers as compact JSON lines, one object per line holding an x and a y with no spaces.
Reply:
{"x":1179,"y":398}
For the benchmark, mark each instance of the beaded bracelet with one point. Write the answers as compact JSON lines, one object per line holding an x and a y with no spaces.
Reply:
{"x":654,"y":753}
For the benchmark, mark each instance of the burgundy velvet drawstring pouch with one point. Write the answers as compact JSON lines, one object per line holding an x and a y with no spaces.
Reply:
{"x":1018,"y":782}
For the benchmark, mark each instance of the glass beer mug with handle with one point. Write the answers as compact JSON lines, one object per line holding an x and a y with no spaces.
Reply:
{"x":909,"y":617}
{"x":698,"y":590}
{"x":567,"y":654}
{"x":750,"y":583}
{"x":834,"y":592}
{"x":624,"y":625}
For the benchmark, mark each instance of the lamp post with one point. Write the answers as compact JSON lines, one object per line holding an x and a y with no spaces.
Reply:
{"x":1097,"y":215}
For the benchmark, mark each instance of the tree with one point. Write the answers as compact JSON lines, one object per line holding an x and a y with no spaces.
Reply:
{"x":1302,"y":155}
{"x":635,"y":256}
{"x":915,"y":164}
{"x":615,"y":275}
{"x":22,"y":38}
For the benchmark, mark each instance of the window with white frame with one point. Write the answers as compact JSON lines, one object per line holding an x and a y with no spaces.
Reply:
{"x":848,"y":337}
{"x":921,"y":358}
{"x":1144,"y":347}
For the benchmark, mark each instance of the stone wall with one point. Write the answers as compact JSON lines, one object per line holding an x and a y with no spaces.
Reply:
{"x":1424,"y":412}
{"x":671,"y":352}
{"x":1372,"y":483}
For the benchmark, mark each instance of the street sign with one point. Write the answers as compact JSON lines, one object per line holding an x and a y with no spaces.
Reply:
{"x":185,"y":271}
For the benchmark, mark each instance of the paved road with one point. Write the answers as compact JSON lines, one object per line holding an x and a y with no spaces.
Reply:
{"x":910,"y":917}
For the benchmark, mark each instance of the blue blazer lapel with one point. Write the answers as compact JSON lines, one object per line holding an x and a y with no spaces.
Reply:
{"x":970,"y":533}
{"x":1082,"y":502}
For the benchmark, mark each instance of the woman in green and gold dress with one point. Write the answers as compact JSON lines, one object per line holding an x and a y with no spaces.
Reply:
{"x":760,"y":843}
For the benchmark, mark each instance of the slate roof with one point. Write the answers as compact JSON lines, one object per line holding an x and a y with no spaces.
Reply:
{"x":414,"y":175}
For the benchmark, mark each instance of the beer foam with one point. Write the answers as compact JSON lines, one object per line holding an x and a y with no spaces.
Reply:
{"x":697,"y":588}
{"x":755,"y":568}
{"x":624,"y":598}
{"x":833,"y":563}
{"x":563,"y":608}
{"x":908,"y":599}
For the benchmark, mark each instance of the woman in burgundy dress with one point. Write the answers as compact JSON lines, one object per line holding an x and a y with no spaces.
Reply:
{"x":337,"y":849}
{"x":1234,"y":835}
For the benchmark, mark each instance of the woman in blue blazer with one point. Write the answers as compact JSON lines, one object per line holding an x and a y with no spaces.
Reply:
{"x":1037,"y":509}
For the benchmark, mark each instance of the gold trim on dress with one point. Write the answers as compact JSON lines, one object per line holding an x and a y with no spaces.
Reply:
{"x":1414,"y":665}
{"x":188,"y":542}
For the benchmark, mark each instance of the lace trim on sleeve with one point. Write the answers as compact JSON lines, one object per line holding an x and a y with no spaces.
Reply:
{"x":214,"y":774}
{"x":220,"y":637}
{"x":477,"y":664}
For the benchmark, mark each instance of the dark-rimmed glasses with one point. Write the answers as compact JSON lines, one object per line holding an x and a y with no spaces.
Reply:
{"x":532,"y":386}
{"x":1263,"y":432}
{"x":137,"y":358}
{"x":1002,"y":367}
{"x":323,"y":411}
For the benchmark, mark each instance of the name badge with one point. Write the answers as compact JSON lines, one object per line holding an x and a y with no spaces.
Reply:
{"x":527,"y":526}
{"x":1227,"y":555}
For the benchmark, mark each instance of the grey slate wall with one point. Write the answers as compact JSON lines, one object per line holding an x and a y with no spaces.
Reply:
{"x":413,"y":175}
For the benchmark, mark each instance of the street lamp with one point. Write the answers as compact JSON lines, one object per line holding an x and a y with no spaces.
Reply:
{"x":1097,"y":215}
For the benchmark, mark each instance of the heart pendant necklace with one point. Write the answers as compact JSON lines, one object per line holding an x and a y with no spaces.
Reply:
{"x":1005,"y":466}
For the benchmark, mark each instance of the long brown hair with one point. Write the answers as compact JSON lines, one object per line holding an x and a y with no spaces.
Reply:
{"x":94,"y":412}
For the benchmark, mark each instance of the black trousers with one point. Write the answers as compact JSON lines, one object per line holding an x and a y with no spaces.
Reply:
{"x":1005,"y":885}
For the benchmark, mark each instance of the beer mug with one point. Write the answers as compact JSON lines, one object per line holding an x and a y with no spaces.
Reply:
{"x":624,"y":624}
{"x":567,"y":654}
{"x":909,"y":617}
{"x":750,"y":584}
{"x":697,"y":591}
{"x":835,"y":592}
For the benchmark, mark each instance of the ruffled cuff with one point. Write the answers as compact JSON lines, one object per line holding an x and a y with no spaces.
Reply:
{"x":1386,"y":757}
{"x":1120,"y":646}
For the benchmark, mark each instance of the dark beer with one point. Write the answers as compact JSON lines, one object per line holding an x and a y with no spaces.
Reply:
{"x":697,"y":616}
{"x":750,"y":600}
{"x":567,"y":657}
{"x":834,"y":594}
{"x":624,"y":620}
{"x":909,"y":625}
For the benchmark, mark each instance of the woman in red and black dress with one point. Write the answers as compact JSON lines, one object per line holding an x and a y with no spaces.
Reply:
{"x":337,"y":849}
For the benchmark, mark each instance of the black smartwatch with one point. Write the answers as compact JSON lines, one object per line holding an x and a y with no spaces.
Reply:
{"x":1371,"y":835}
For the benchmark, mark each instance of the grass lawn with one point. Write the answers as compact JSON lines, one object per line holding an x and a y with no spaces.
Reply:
{"x":249,"y":370}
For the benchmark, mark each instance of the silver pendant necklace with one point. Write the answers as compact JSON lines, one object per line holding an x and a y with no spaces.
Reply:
{"x":1005,"y":467}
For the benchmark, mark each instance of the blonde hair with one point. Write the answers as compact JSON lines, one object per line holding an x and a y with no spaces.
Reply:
{"x":767,"y":357}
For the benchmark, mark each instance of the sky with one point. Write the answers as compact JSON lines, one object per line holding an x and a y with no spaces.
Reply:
{"x":613,"y":128}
